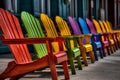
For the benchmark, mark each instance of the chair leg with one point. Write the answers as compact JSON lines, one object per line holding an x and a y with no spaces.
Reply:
{"x":108,"y":50}
{"x":65,"y":67}
{"x":84,"y":57}
{"x":114,"y":48}
{"x":79,"y":62}
{"x":53,"y":71}
{"x":92,"y":57}
{"x":111,"y":48}
{"x":72,"y":66}
{"x":103,"y":49}
{"x":95,"y":54}
{"x":101,"y":52}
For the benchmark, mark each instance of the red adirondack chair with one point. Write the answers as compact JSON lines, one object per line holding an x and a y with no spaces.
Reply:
{"x":23,"y":63}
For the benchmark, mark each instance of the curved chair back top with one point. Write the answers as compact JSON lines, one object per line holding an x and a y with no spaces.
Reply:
{"x":109,"y":25}
{"x":83,"y":26}
{"x":102,"y":26}
{"x":97,"y":26}
{"x":49,"y":26}
{"x":106,"y":26}
{"x":74,"y":26}
{"x":91,"y":26}
{"x":63,"y":26}
{"x":34,"y":30}
{"x":12,"y":30}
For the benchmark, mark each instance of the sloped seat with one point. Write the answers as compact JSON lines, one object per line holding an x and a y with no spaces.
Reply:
{"x":31,"y":22}
{"x":23,"y":62}
{"x":64,"y":30}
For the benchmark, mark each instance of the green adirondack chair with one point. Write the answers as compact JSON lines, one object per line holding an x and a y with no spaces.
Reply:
{"x":23,"y":63}
{"x":32,"y":26}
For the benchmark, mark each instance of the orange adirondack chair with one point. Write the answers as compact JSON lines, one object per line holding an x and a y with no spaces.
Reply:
{"x":23,"y":63}
{"x":104,"y":37}
{"x":110,"y":38}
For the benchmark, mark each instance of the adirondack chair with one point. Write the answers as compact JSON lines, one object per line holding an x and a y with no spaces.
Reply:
{"x":113,"y":34}
{"x":105,"y":43}
{"x":86,"y":47}
{"x":116,"y":33}
{"x":64,"y":30}
{"x":110,"y":39}
{"x":104,"y":37}
{"x":95,"y":39}
{"x":23,"y":62}
{"x":30,"y":21}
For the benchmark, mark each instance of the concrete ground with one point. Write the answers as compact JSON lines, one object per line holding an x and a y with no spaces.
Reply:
{"x":104,"y":69}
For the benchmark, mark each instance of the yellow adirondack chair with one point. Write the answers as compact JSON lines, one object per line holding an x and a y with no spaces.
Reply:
{"x":111,"y":39}
{"x":115,"y":34}
{"x":87,"y":48}
{"x":72,"y":49}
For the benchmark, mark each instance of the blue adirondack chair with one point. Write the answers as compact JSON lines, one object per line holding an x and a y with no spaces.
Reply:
{"x":95,"y":39}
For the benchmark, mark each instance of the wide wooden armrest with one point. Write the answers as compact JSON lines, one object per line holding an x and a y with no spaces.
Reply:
{"x":87,"y":35}
{"x":105,"y":34}
{"x":32,"y":40}
{"x":71,"y":37}
{"x":97,"y":34}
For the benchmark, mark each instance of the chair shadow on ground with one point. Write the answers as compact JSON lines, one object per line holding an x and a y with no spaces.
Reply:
{"x":45,"y":73}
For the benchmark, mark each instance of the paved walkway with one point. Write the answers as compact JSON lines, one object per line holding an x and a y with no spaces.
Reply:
{"x":104,"y":69}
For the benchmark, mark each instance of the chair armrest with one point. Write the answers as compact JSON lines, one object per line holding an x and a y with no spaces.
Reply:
{"x":71,"y":37}
{"x":48,"y":41}
{"x":31,"y":40}
{"x":74,"y":38}
{"x":97,"y":34}
{"x":87,"y":38}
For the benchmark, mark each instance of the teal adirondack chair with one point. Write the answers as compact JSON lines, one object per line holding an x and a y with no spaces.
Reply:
{"x":34,"y":29}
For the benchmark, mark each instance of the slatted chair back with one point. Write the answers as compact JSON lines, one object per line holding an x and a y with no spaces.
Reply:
{"x":109,"y":25}
{"x":97,"y":26}
{"x":34,"y":30}
{"x":50,"y":30}
{"x":74,"y":26}
{"x":64,"y":29}
{"x":91,"y":26}
{"x":102,"y":26}
{"x":106,"y":26}
{"x":11,"y":30}
{"x":49,"y":26}
{"x":83,"y":26}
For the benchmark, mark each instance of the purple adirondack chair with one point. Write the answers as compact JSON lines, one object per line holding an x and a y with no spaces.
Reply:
{"x":74,"y":25}
{"x":91,"y":26}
